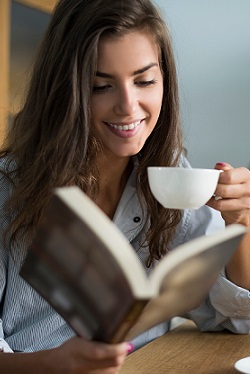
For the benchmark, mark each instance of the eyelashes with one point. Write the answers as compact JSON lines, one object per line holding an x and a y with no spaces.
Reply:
{"x":107,"y":87}
{"x":146,"y":83}
{"x":101,"y":89}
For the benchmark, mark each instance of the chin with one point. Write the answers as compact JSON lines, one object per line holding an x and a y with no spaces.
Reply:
{"x":122,"y":151}
{"x":127,"y":154}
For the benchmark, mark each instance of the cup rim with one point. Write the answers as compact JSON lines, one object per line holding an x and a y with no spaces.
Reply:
{"x":188,"y":169}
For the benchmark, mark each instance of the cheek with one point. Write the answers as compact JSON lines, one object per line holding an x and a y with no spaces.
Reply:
{"x":154,"y":102}
{"x":98,"y":107}
{"x":95,"y":103}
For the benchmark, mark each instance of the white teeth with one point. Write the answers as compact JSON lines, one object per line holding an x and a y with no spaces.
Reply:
{"x":131,"y":126}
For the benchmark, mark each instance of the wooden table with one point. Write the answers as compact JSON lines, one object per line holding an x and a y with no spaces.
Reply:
{"x":187,"y":350}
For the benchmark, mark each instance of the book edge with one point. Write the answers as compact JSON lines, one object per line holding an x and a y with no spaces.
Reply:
{"x":77,"y":200}
{"x":190,"y":249}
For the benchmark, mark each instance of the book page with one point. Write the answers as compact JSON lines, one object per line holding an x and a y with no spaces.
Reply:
{"x":185,"y":284}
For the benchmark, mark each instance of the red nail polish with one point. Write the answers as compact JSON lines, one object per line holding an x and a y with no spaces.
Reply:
{"x":130,"y":347}
{"x":221,"y":163}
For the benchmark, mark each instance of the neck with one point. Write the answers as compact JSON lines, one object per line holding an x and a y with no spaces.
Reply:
{"x":113,"y":179}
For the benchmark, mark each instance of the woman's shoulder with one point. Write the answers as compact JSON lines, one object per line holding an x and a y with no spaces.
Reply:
{"x":8,"y":167}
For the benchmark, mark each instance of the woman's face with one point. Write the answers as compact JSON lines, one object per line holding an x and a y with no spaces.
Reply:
{"x":127,"y":93}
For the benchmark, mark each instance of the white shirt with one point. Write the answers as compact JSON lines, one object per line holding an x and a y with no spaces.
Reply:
{"x":30,"y":324}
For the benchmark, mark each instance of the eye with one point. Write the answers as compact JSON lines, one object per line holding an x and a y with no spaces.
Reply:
{"x":146,"y":83}
{"x":101,"y":89}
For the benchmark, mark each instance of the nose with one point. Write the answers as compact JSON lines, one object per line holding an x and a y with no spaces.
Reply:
{"x":126,"y":101}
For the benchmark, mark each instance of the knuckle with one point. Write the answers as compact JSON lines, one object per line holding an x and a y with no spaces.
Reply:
{"x":219,"y":205}
{"x":118,"y":360}
{"x":248,"y":204}
{"x":97,"y":353}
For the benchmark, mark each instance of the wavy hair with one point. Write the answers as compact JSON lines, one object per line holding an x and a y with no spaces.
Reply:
{"x":50,"y":138}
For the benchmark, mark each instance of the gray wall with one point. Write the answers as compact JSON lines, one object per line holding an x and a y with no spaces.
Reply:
{"x":212,"y":46}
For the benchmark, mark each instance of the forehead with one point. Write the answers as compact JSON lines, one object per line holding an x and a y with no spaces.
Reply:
{"x":134,"y":49}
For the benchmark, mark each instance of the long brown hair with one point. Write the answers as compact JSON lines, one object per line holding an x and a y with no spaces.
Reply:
{"x":50,"y":138}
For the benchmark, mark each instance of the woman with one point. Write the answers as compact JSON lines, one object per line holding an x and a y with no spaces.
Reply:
{"x":101,"y":107}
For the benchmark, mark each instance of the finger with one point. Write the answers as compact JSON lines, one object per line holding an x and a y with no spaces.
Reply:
{"x":234,"y":183}
{"x":92,"y":357}
{"x":100,"y":351}
{"x":235,"y":176}
{"x":232,"y":191}
{"x":234,"y":205}
{"x":223,"y":166}
{"x":105,"y":365}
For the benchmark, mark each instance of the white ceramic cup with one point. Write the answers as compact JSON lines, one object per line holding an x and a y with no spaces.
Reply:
{"x":182,"y":188}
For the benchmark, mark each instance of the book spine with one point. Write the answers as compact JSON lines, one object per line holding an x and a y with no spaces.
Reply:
{"x":129,"y":321}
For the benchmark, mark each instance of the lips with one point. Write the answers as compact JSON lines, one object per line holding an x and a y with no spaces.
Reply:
{"x":124,"y":126}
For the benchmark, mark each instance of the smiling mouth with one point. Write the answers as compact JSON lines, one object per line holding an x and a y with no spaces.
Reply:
{"x":125,"y":127}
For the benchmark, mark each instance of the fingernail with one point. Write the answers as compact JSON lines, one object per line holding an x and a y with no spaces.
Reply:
{"x":221,"y":164}
{"x":217,"y":197}
{"x":130,"y":347}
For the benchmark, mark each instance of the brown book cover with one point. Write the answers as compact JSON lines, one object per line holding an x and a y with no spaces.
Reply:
{"x":86,"y":269}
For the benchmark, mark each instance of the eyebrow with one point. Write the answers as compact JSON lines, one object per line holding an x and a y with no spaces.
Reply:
{"x":136,"y":72}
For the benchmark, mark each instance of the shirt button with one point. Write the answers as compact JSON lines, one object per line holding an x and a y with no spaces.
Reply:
{"x":137,"y":219}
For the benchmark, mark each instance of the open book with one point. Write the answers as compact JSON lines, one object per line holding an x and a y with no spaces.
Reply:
{"x":85,"y":268}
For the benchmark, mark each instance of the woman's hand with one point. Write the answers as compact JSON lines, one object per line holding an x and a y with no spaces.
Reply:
{"x":234,"y":205}
{"x":234,"y":189}
{"x":76,"y":356}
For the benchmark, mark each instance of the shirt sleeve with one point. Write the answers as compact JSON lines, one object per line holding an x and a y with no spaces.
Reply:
{"x":5,"y":188}
{"x":233,"y":303}
{"x":226,"y":307}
